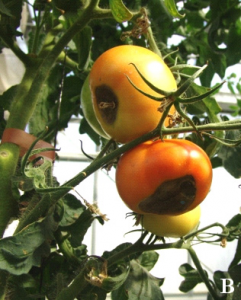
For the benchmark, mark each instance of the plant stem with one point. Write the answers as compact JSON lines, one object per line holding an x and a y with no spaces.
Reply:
{"x":202,"y":273}
{"x":203,"y":229}
{"x":22,"y":105}
{"x":214,"y":147}
{"x":139,"y":248}
{"x":34,"y":79}
{"x":38,"y":74}
{"x":227,"y":125}
{"x":65,"y":248}
{"x":152,"y":42}
{"x":36,"y":32}
{"x":50,"y":199}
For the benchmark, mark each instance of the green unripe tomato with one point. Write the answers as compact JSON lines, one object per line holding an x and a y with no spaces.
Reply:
{"x":88,"y":110}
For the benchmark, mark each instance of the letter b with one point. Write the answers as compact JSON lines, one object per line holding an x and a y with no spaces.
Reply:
{"x":227,"y":283}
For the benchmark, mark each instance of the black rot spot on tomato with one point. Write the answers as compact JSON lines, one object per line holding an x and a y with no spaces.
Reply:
{"x":171,"y":197}
{"x":107,"y":103}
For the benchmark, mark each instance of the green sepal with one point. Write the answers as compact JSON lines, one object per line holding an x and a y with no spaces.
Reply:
{"x":153,"y":87}
{"x":181,"y":89}
{"x":200,"y":97}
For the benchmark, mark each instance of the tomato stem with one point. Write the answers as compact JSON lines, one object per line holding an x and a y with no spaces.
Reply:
{"x":65,"y":247}
{"x":37,"y":71}
{"x":185,"y":117}
{"x":50,"y":199}
{"x":152,"y":43}
{"x":188,"y":236}
{"x":76,"y":286}
{"x":161,"y":125}
{"x":140,"y":247}
{"x":202,"y":273}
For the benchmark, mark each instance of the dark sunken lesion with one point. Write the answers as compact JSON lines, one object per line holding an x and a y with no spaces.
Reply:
{"x":107,"y":102}
{"x":171,"y":197}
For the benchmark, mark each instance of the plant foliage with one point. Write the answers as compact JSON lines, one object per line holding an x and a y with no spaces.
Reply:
{"x":46,"y":258}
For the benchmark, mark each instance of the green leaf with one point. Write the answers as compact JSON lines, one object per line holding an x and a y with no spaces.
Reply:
{"x":192,"y":278}
{"x":231,"y":156}
{"x":204,"y":105}
{"x":120,"y":12}
{"x":19,"y":253}
{"x":4,"y":9}
{"x":78,"y":229}
{"x":120,"y":293}
{"x":112,"y":283}
{"x":234,"y":222}
{"x":233,"y":42}
{"x":172,"y":9}
{"x":140,"y":284}
{"x":234,"y":228}
{"x":73,"y":208}
{"x":235,"y":274}
{"x":148,"y":259}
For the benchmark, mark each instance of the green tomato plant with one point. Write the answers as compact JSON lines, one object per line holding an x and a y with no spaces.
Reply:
{"x":45,"y":258}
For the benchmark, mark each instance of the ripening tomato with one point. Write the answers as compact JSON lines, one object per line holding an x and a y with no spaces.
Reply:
{"x":168,"y":177}
{"x":123,"y":112}
{"x":172,"y":226}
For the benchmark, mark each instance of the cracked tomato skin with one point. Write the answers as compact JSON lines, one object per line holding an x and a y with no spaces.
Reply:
{"x":132,"y":114}
{"x":172,"y":226}
{"x":167,"y":177}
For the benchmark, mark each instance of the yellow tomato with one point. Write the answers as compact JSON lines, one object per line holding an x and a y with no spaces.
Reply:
{"x":172,"y":226}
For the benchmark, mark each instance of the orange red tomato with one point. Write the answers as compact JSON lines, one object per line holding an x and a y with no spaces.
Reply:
{"x":168,"y":177}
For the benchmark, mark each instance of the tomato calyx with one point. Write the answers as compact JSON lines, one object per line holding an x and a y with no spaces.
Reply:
{"x":107,"y":102}
{"x":172,"y":196}
{"x":176,"y":97}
